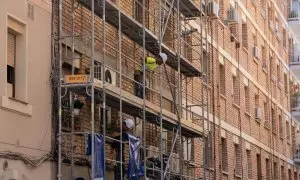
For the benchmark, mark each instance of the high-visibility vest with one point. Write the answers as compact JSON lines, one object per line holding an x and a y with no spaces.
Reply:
{"x":151,"y":63}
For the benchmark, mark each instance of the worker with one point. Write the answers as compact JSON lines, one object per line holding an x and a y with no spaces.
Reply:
{"x":127,"y":128}
{"x":151,"y":64}
{"x":138,"y":85}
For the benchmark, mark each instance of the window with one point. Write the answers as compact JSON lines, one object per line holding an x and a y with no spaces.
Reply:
{"x":266,"y":113}
{"x":208,"y":160}
{"x":11,"y":62}
{"x":249,"y":164}
{"x":280,"y":126}
{"x":295,"y":176}
{"x":224,"y":155}
{"x":221,"y":10}
{"x":233,"y":30}
{"x":247,"y":99}
{"x":274,"y":125}
{"x":16,"y":60}
{"x":235,"y":89}
{"x":290,"y":174}
{"x":256,"y":100}
{"x":278,"y":73}
{"x":285,"y":83}
{"x":222,"y":79}
{"x":188,"y":48}
{"x":288,"y":131}
{"x":244,"y":35}
{"x":264,"y":58}
{"x":205,"y":64}
{"x":258,"y":166}
{"x":254,"y":39}
{"x":284,"y":38}
{"x":268,"y":170}
{"x":237,"y":162}
{"x":275,"y":171}
{"x":282,"y":172}
{"x":107,"y":119}
{"x":187,"y":149}
{"x":167,"y":104}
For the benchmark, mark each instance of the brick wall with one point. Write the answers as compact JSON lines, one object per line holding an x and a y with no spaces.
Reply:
{"x":236,"y":109}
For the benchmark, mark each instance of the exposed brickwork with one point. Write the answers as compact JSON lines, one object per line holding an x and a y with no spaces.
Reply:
{"x":235,"y":101}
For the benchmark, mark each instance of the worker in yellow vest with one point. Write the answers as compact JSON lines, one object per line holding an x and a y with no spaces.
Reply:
{"x":151,"y":64}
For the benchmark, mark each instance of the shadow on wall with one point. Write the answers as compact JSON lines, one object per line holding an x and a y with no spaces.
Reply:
{"x":9,"y":174}
{"x":80,"y":173}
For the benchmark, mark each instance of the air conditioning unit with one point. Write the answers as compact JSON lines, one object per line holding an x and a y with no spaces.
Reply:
{"x":110,"y":76}
{"x":175,"y":163}
{"x":213,"y":9}
{"x":152,"y":151}
{"x":232,"y":16}
{"x":257,"y":113}
{"x":255,"y":52}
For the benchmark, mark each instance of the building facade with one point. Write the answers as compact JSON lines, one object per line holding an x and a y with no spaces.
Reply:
{"x":25,"y":109}
{"x":223,"y":106}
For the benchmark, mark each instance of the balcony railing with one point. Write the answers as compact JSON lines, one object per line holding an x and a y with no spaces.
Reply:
{"x":294,"y":15}
{"x":297,"y":155}
{"x":295,"y":103}
{"x":294,"y":11}
{"x":294,"y":60}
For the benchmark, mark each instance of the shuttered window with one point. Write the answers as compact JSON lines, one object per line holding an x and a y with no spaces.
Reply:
{"x":11,"y":49}
{"x":11,"y":62}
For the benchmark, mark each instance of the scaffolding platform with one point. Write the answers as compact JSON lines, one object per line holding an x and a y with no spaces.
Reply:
{"x":133,"y":105}
{"x":189,"y":8}
{"x":134,"y":30}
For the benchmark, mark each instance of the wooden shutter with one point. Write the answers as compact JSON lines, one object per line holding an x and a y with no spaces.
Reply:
{"x":11,"y":49}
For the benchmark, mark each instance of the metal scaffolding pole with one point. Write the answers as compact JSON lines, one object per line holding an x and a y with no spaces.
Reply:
{"x":144,"y":91}
{"x":92,"y":74}
{"x":103,"y":79}
{"x":160,"y":97}
{"x":59,"y":173}
{"x":121,"y":85}
{"x":179,"y":90}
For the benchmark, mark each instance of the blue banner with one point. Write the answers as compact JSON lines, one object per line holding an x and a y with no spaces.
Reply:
{"x":98,"y":156}
{"x":135,"y":168}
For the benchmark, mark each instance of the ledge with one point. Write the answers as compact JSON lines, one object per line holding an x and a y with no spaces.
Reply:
{"x":265,"y":70}
{"x":248,"y":113}
{"x":16,"y":106}
{"x":225,"y":173}
{"x":223,"y":96}
{"x":236,"y":105}
{"x":255,"y":60}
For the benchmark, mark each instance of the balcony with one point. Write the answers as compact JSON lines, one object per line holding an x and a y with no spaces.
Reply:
{"x":295,"y":61}
{"x":295,"y":106}
{"x":294,"y":17}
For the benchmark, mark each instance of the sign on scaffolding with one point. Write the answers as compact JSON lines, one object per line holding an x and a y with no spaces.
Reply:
{"x":76,"y":79}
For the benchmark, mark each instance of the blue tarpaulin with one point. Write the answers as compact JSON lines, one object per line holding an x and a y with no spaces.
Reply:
{"x":99,"y":155}
{"x":135,"y":168}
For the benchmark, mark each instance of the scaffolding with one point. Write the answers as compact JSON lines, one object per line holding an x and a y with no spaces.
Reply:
{"x":104,"y":42}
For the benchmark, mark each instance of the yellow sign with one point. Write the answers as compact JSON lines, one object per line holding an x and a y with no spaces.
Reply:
{"x":76,"y":78}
